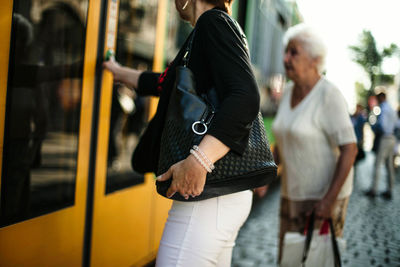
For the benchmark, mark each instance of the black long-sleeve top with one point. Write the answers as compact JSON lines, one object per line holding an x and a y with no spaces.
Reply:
{"x":219,"y":59}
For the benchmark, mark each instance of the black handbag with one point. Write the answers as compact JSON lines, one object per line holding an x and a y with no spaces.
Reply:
{"x":187,"y":121}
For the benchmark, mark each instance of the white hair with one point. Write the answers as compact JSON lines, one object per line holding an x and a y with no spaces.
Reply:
{"x":312,"y":42}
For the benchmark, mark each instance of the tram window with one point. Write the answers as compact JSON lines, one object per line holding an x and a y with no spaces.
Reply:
{"x":129,"y":112}
{"x":43,"y":108}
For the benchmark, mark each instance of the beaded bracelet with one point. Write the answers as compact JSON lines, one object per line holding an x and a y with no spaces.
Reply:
{"x":199,"y":159}
{"x":208,"y":161}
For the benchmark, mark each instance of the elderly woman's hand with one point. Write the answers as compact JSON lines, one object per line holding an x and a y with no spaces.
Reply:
{"x":324,"y":208}
{"x":188,"y":178}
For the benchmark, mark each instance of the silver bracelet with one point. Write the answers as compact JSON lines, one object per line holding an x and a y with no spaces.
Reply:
{"x":194,"y":153}
{"x":208,"y":161}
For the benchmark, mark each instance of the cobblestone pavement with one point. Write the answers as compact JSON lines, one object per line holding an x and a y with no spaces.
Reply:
{"x":372,"y":228}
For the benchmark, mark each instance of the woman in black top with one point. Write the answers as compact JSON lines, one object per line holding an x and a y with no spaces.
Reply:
{"x":201,"y":233}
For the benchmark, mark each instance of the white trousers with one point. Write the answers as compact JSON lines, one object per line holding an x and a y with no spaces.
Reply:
{"x":203,"y":233}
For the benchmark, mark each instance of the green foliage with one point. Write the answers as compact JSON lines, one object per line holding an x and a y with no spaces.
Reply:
{"x":268,"y":128}
{"x":361,"y":93}
{"x":382,"y":78}
{"x":367,"y":55}
{"x":390,"y":51}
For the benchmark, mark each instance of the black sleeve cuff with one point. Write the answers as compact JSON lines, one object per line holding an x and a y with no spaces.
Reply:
{"x":147,"y":84}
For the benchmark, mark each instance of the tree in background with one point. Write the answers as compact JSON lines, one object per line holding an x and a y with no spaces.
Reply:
{"x":367,"y":55}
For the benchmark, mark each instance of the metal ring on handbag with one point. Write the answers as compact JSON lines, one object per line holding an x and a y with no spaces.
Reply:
{"x":201,"y":123}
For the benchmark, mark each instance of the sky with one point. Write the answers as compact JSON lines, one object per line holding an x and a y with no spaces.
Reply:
{"x":340,"y":23}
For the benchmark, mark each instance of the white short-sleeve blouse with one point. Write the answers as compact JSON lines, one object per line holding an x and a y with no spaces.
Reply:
{"x":308,"y":137}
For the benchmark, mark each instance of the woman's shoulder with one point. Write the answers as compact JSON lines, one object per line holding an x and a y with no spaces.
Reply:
{"x":329,"y":90}
{"x":214,"y":18}
{"x":222,"y":28}
{"x":213,"y":15}
{"x":332,"y":97}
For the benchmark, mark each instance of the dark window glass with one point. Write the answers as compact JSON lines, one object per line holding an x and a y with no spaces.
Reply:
{"x":43,"y":108}
{"x":129,"y":112}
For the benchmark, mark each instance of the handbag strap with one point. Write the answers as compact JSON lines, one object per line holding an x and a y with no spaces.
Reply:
{"x":309,"y":233}
{"x":188,"y":50}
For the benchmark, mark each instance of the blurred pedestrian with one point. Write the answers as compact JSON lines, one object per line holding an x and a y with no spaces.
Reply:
{"x":396,"y":151}
{"x":359,"y":119}
{"x":201,"y":233}
{"x":384,"y":127}
{"x":316,"y":144}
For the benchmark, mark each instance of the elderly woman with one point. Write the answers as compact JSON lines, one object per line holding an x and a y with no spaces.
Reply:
{"x":316,"y":144}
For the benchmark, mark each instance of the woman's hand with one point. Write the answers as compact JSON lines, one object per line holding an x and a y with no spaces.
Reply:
{"x":125,"y":75}
{"x":188,"y":178}
{"x":261,"y":191}
{"x":324,"y":208}
{"x":114,"y":67}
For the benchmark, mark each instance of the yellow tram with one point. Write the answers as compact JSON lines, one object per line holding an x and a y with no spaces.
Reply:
{"x":68,"y":194}
{"x":69,"y":197}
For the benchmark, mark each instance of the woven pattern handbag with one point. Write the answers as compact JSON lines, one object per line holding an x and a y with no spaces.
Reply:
{"x":187,"y":121}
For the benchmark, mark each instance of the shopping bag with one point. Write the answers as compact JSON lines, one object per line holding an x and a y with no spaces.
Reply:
{"x":322,"y":250}
{"x":292,"y":250}
{"x":318,"y":248}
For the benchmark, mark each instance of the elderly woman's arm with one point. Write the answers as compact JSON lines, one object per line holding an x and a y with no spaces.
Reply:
{"x":348,"y":153}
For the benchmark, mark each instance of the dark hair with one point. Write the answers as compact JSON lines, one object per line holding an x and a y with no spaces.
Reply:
{"x":381,"y":95}
{"x":222,"y":4}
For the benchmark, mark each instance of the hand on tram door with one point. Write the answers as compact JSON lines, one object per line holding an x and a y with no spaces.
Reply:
{"x":114,"y":67}
{"x":188,"y":178}
{"x":122,"y":74}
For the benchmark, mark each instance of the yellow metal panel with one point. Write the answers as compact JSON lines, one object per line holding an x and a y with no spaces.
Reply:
{"x":55,"y":239}
{"x":120,"y":233}
{"x":121,"y":226}
{"x":121,"y":219}
{"x":159,"y":47}
{"x":160,"y":205}
{"x":160,"y":35}
{"x":5,"y":33}
{"x":51,"y":240}
{"x":129,"y":221}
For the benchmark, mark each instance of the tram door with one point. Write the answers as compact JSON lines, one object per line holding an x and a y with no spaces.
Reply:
{"x":47,"y":68}
{"x":68,"y":194}
{"x":128,"y":215}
